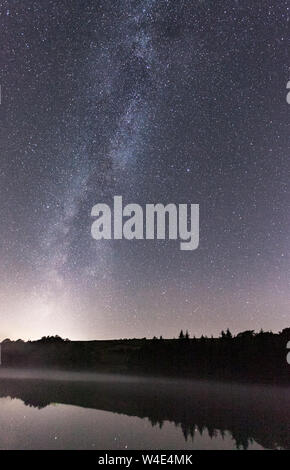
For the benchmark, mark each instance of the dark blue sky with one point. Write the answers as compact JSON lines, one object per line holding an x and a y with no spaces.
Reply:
{"x":157,"y":101}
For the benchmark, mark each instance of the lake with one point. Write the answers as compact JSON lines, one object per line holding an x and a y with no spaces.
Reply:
{"x":66,"y":410}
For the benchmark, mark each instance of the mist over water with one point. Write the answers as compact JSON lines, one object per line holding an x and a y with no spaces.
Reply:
{"x":69,"y":410}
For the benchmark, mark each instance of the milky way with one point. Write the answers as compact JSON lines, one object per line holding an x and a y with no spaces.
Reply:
{"x":157,"y":101}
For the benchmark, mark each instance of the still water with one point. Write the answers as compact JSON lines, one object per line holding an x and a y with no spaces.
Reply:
{"x":57,"y":410}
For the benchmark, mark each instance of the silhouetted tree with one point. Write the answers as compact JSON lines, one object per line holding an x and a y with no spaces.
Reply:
{"x":246,"y":334}
{"x":51,"y":339}
{"x":228,"y":334}
{"x":286,"y":332}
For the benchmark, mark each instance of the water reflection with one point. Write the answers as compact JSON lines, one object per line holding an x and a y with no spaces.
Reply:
{"x":183,"y":414}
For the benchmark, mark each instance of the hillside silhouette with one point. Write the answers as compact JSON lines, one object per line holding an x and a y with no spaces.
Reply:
{"x":248,"y":356}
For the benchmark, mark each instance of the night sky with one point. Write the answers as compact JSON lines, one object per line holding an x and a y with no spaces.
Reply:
{"x":158,"y":101}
